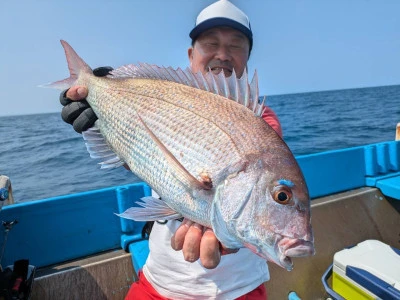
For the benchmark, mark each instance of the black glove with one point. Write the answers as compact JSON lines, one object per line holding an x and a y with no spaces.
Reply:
{"x":79,"y":113}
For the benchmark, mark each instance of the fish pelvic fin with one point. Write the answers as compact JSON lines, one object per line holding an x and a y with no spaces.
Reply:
{"x":75,"y":66}
{"x":236,"y":89}
{"x":150,"y":209}
{"x":178,"y":169}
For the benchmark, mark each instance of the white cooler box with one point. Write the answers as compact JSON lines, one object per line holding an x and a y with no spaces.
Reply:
{"x":370,"y":270}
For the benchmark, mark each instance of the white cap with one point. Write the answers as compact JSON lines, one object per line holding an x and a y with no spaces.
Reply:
{"x":222,"y":13}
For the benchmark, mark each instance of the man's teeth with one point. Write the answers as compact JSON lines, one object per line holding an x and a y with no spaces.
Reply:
{"x":218,"y":69}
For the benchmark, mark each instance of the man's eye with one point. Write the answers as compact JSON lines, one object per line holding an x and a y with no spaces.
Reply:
{"x":236,"y":47}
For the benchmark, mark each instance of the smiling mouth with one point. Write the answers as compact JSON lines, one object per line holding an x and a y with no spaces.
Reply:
{"x":217,"y":70}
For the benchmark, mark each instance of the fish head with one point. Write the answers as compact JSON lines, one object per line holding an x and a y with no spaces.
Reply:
{"x":266,"y":208}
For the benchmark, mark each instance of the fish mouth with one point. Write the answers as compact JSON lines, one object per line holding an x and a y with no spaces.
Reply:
{"x":291,"y":247}
{"x":286,"y":262}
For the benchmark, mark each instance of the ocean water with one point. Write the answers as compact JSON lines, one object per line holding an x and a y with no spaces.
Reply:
{"x":44,"y":157}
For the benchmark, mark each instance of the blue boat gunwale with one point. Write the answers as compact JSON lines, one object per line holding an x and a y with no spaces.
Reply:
{"x":68,"y":227}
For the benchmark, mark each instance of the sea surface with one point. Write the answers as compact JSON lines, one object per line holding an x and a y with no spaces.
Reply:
{"x":44,"y":157}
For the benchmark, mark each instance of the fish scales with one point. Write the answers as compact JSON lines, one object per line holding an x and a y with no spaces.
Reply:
{"x":211,"y":159}
{"x":156,"y":101}
{"x":133,"y":143}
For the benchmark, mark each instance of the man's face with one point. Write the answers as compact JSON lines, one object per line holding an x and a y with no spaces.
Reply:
{"x":220,"y":48}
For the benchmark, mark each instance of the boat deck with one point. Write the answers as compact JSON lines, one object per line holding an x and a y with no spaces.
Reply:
{"x":103,"y":276}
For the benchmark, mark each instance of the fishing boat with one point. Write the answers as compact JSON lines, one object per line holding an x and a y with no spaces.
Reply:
{"x":79,"y":249}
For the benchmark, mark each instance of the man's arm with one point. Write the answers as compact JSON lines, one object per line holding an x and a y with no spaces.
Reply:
{"x":271,"y":118}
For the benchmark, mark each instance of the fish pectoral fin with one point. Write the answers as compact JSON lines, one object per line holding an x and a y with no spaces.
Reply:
{"x":99,"y":149}
{"x":179,"y":170}
{"x":150,"y":209}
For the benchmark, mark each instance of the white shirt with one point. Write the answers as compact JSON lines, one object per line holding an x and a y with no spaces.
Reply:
{"x":173,"y":277}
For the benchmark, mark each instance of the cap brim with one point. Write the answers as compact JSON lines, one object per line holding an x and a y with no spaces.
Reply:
{"x":218,"y":22}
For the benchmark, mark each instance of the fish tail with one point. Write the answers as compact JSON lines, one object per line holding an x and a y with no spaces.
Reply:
{"x":76,"y":65}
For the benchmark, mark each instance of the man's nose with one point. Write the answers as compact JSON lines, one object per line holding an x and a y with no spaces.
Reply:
{"x":223,"y":53}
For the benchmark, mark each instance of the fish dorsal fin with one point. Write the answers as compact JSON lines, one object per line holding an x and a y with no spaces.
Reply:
{"x":99,"y":149}
{"x":236,"y":89}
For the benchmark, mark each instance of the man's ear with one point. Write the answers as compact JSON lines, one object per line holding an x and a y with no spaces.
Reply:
{"x":190,"y":55}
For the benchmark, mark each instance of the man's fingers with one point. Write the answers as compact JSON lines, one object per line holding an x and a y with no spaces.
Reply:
{"x":210,"y":255}
{"x":77,"y":93}
{"x":196,"y":242}
{"x":179,"y":236}
{"x":191,"y":245}
{"x":63,"y":98}
{"x":85,"y":120}
{"x":71,"y":111}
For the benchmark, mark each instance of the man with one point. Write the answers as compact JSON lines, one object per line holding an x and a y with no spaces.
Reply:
{"x":221,"y":42}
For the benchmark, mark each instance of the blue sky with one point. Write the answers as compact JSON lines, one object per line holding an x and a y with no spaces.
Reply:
{"x":299,"y":45}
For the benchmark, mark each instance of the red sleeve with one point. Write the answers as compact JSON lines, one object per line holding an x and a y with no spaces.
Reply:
{"x":271,"y":118}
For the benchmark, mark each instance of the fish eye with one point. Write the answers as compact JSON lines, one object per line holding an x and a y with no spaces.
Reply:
{"x":282,"y":194}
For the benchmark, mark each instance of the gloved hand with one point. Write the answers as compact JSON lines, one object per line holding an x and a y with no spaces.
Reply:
{"x":79,"y":113}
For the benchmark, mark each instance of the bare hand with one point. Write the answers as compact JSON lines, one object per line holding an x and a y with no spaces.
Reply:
{"x":197,"y":241}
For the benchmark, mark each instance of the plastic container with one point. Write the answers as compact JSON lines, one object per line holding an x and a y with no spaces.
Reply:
{"x":370,"y":270}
